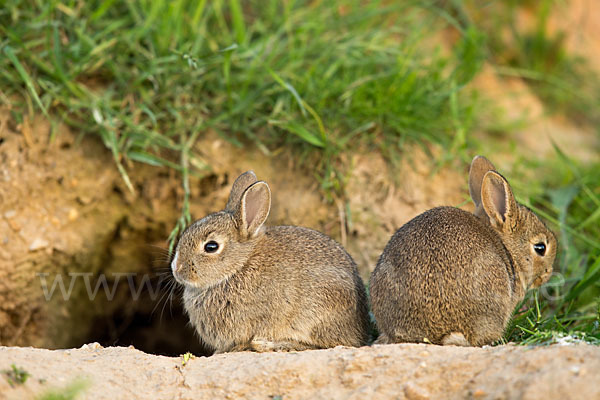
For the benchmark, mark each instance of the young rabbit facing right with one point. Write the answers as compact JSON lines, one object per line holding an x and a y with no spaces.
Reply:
{"x":279,"y":288}
{"x":452,"y":277}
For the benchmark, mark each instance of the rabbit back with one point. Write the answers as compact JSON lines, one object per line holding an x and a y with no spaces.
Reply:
{"x":443,"y":272}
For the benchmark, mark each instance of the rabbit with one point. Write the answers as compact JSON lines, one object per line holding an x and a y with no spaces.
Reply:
{"x":452,"y":277}
{"x":259,"y":288}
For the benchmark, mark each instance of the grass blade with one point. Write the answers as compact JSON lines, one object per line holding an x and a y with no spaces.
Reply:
{"x":8,"y":51}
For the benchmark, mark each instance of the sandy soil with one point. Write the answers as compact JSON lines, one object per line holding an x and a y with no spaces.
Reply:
{"x":405,"y":371}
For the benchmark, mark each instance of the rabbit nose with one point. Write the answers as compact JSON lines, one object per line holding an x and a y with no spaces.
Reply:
{"x":174,"y":263}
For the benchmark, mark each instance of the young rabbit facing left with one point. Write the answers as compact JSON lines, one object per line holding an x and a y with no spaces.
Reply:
{"x":280,"y":288}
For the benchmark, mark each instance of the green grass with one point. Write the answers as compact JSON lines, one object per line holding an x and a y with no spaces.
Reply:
{"x":318,"y":80}
{"x":150,"y":77}
{"x":567,"y":193}
{"x":569,"y":304}
{"x":70,"y":392}
{"x":16,"y":375}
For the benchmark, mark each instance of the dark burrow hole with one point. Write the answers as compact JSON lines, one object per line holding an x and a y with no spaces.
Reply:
{"x":145,"y":309}
{"x":149,"y":324}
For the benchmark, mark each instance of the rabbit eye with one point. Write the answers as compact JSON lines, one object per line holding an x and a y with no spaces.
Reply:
{"x":211,"y":246}
{"x":540,"y":248}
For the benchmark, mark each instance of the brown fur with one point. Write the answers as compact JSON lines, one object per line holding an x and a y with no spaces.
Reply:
{"x":452,"y":277}
{"x":268,"y":289}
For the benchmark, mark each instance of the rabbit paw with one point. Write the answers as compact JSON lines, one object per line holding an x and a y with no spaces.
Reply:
{"x":261,"y":345}
{"x":455,"y":339}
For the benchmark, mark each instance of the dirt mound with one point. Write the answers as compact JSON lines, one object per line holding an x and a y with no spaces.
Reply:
{"x":64,"y":210}
{"x":406,"y":371}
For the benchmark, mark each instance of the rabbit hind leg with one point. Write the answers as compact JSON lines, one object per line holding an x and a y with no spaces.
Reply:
{"x":263,"y":345}
{"x":382,"y":339}
{"x":455,"y":339}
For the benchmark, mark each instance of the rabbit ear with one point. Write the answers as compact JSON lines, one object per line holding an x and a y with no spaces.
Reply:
{"x":254,"y":208}
{"x":241,"y":183}
{"x":498,"y":200}
{"x":479,"y":167}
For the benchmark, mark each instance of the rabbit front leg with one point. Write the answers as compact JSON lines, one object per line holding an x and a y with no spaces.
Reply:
{"x":235,"y":348}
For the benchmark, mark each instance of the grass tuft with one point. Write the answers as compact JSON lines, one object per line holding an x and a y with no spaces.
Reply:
{"x":70,"y":392}
{"x":150,"y":77}
{"x":569,"y":304}
{"x":16,"y":375}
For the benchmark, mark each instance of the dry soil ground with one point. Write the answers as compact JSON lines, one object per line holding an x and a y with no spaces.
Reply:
{"x":405,"y":371}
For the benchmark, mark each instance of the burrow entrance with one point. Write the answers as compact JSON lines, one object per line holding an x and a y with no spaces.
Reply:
{"x":130,"y":300}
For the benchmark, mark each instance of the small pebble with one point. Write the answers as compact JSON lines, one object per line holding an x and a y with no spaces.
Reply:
{"x":15,"y":226}
{"x":85,"y":200}
{"x":92,"y":346}
{"x":73,"y":214}
{"x":413,"y":392}
{"x":38,"y":244}
{"x":9,"y":214}
{"x":575,"y":370}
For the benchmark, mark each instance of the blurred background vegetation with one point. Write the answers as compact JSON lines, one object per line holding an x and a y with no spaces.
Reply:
{"x":323,"y":79}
